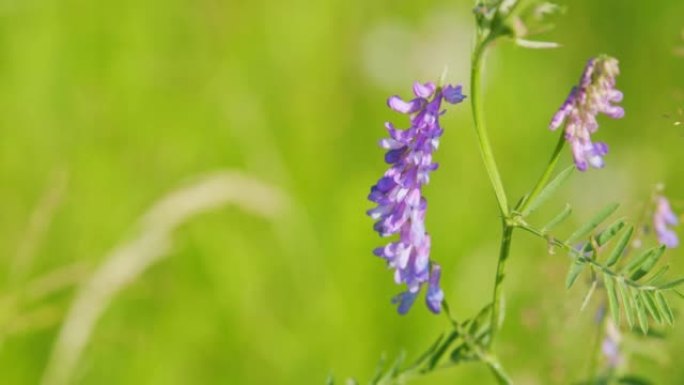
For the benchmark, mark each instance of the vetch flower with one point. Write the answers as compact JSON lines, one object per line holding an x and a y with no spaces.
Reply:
{"x":663,"y":218}
{"x":594,"y":94}
{"x":398,"y":194}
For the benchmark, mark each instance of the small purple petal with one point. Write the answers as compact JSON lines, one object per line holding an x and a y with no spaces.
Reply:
{"x":424,"y":90}
{"x":405,"y":301}
{"x":616,"y":96}
{"x":435,"y":295}
{"x":452,"y":94}
{"x":386,"y":183}
{"x":399,"y":105}
{"x":393,"y":156}
{"x":601,"y":148}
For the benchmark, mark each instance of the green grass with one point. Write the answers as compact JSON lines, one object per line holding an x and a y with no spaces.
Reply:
{"x":130,"y":99}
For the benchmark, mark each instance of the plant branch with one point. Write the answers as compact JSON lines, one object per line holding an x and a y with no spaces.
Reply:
{"x":592,"y":262}
{"x":504,"y":251}
{"x":481,"y":129}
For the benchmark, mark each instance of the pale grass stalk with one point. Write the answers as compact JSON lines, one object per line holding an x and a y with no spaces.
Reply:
{"x":128,"y":260}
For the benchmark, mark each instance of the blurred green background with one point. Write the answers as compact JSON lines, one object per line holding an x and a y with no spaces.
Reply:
{"x":106,"y":106}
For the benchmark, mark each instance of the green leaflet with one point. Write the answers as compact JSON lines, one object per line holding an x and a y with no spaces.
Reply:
{"x":612,"y":298}
{"x":576,"y":268}
{"x":587,"y":297}
{"x":586,"y":229}
{"x":642,"y":317}
{"x":379,"y":369}
{"x":480,"y":321}
{"x":428,"y":353}
{"x":627,"y":303}
{"x":462,"y":354}
{"x":659,"y":274}
{"x":639,"y":260}
{"x":664,"y":308}
{"x":606,"y":235}
{"x":671,"y":284}
{"x":648,"y":264}
{"x":548,"y":190}
{"x":650,"y":302}
{"x":555,"y":221}
{"x":633,"y":380}
{"x":619,"y":249}
{"x":394,"y":370}
{"x":439,"y":352}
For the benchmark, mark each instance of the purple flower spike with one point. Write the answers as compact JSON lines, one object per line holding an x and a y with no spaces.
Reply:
{"x":663,"y":218}
{"x":398,"y":194}
{"x":595,"y":94}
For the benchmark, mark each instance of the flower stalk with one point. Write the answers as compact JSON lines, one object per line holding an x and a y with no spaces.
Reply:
{"x":481,"y":129}
{"x":495,"y":179}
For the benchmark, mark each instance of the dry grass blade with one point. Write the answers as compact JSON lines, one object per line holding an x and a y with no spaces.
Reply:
{"x":38,"y":224}
{"x":127,"y":261}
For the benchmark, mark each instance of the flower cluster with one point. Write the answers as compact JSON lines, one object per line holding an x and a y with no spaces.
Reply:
{"x":595,"y":94}
{"x":662,"y":219}
{"x":398,"y":194}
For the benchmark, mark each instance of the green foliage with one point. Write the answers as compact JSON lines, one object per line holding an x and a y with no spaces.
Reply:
{"x":628,"y":289}
{"x":517,"y":19}
{"x":548,"y":191}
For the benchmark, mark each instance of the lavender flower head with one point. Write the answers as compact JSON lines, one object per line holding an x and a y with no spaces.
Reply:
{"x":595,"y":94}
{"x":398,"y":194}
{"x":662,"y":219}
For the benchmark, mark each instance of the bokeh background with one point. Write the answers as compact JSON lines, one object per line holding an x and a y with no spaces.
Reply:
{"x":108,"y":106}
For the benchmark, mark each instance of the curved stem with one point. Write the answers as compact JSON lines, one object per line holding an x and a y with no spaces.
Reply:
{"x":481,"y":130}
{"x":544,"y":179}
{"x":495,"y":179}
{"x":500,"y":275}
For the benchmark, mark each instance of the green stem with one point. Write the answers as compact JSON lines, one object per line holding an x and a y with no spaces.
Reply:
{"x":481,"y":130}
{"x":592,"y":262}
{"x":500,"y":275}
{"x":544,"y":179}
{"x":495,"y":179}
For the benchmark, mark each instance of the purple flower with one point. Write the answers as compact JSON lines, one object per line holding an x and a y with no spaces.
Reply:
{"x":594,"y":94}
{"x":610,"y":347}
{"x":398,"y":194}
{"x":662,"y":219}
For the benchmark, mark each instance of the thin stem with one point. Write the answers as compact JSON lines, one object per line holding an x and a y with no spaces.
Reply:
{"x":495,"y":179}
{"x":544,"y":179}
{"x":500,"y":275}
{"x":592,"y":262}
{"x":481,"y":130}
